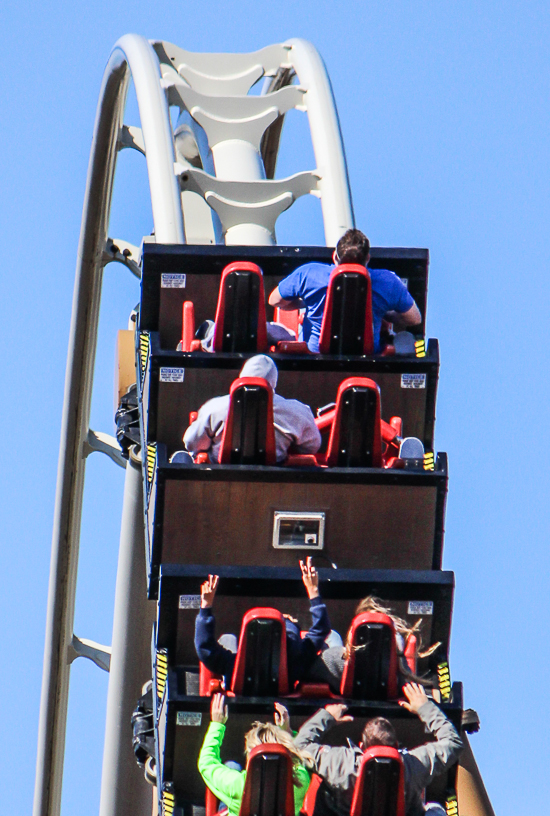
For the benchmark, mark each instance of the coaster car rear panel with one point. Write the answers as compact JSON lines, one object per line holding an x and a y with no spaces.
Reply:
{"x":373,"y":518}
{"x":183,"y":722}
{"x":408,"y":385}
{"x":162,"y":301}
{"x":411,"y":594}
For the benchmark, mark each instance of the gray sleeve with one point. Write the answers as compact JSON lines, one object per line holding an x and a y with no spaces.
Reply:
{"x":434,"y":758}
{"x":199,"y":435}
{"x":309,"y":438}
{"x":334,"y":764}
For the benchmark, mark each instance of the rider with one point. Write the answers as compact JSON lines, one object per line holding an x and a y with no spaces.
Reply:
{"x":307,"y":287}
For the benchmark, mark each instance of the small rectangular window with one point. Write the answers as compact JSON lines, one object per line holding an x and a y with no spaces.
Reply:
{"x":298,"y":531}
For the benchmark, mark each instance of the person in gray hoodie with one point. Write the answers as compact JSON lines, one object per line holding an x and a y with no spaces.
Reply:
{"x":338,"y":766}
{"x":293,"y":421}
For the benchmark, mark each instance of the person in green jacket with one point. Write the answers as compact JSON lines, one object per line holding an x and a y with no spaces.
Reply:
{"x":226,"y":783}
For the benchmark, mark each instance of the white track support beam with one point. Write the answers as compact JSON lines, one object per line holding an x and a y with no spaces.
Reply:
{"x":326,"y":137}
{"x":132,"y":55}
{"x":213,"y":89}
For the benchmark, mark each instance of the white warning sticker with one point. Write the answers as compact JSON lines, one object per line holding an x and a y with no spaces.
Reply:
{"x":172,"y":280}
{"x":173,"y":375}
{"x":188,"y":718}
{"x":413,"y":381}
{"x":420,"y":608}
{"x":190,"y":602}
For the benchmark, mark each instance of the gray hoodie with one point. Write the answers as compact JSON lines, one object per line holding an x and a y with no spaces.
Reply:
{"x":293,"y":421}
{"x":338,"y":766}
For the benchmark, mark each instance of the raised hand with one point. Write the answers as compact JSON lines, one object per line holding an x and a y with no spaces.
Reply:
{"x":338,"y":710}
{"x":208,"y":591}
{"x":416,"y":697}
{"x":218,"y":709}
{"x":282,"y":718}
{"x":310,"y":577}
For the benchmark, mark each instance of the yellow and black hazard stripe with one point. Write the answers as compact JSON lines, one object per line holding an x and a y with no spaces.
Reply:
{"x":161,"y":671}
{"x":451,"y":805}
{"x":444,"y":678}
{"x":151,"y":460}
{"x":168,"y":802}
{"x":429,"y":460}
{"x":143,"y":354}
{"x":420,"y":347}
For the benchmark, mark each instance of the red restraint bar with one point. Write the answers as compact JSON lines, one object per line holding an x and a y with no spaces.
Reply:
{"x":188,"y":326}
{"x":389,"y":431}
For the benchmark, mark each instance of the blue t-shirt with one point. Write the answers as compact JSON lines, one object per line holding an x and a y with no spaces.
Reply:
{"x":310,"y":281}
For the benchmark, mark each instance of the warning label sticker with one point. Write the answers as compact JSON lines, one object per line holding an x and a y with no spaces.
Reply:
{"x":190,"y":602}
{"x":413,"y":381}
{"x":188,"y":718}
{"x":172,"y":280}
{"x":420,"y":608}
{"x":173,"y":375}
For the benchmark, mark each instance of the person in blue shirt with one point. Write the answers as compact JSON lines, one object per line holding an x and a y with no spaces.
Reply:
{"x":307,"y":287}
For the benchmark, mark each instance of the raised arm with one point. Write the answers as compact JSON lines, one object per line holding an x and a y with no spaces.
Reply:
{"x":225,"y":783}
{"x":328,"y":761}
{"x":320,"y":623}
{"x":433,"y":758}
{"x":214,"y":656}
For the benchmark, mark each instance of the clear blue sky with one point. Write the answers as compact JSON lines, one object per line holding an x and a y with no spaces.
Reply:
{"x":445,"y":115}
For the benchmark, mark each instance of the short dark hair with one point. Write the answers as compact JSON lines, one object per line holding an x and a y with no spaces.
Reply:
{"x":379,"y":731}
{"x":353,"y":247}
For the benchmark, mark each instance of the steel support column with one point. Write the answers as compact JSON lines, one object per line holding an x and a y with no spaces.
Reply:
{"x":124,"y":791}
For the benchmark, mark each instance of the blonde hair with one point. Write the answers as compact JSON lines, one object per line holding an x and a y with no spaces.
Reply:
{"x":373,"y":604}
{"x":261,"y":733}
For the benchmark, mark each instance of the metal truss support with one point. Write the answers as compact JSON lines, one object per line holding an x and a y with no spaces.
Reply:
{"x":98,"y":654}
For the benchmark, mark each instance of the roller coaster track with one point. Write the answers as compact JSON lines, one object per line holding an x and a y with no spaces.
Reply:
{"x":211,"y":180}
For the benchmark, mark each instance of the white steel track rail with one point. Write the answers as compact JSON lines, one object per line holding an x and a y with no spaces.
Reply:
{"x":132,"y":54}
{"x":236,"y":136}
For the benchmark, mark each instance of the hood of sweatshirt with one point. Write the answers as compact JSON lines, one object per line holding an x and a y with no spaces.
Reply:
{"x":263,"y":367}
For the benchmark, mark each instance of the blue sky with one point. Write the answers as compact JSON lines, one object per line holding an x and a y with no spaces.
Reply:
{"x":445,"y":115}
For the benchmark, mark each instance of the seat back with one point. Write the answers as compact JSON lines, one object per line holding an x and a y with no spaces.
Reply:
{"x":249,"y":436}
{"x":380,"y":787}
{"x":370,"y":672}
{"x":261,"y":662}
{"x":347,"y":319}
{"x":240,"y":315}
{"x":269,"y":788}
{"x":355,"y":438}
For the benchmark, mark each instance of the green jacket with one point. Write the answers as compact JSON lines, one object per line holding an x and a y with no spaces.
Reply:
{"x":227,"y":784}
